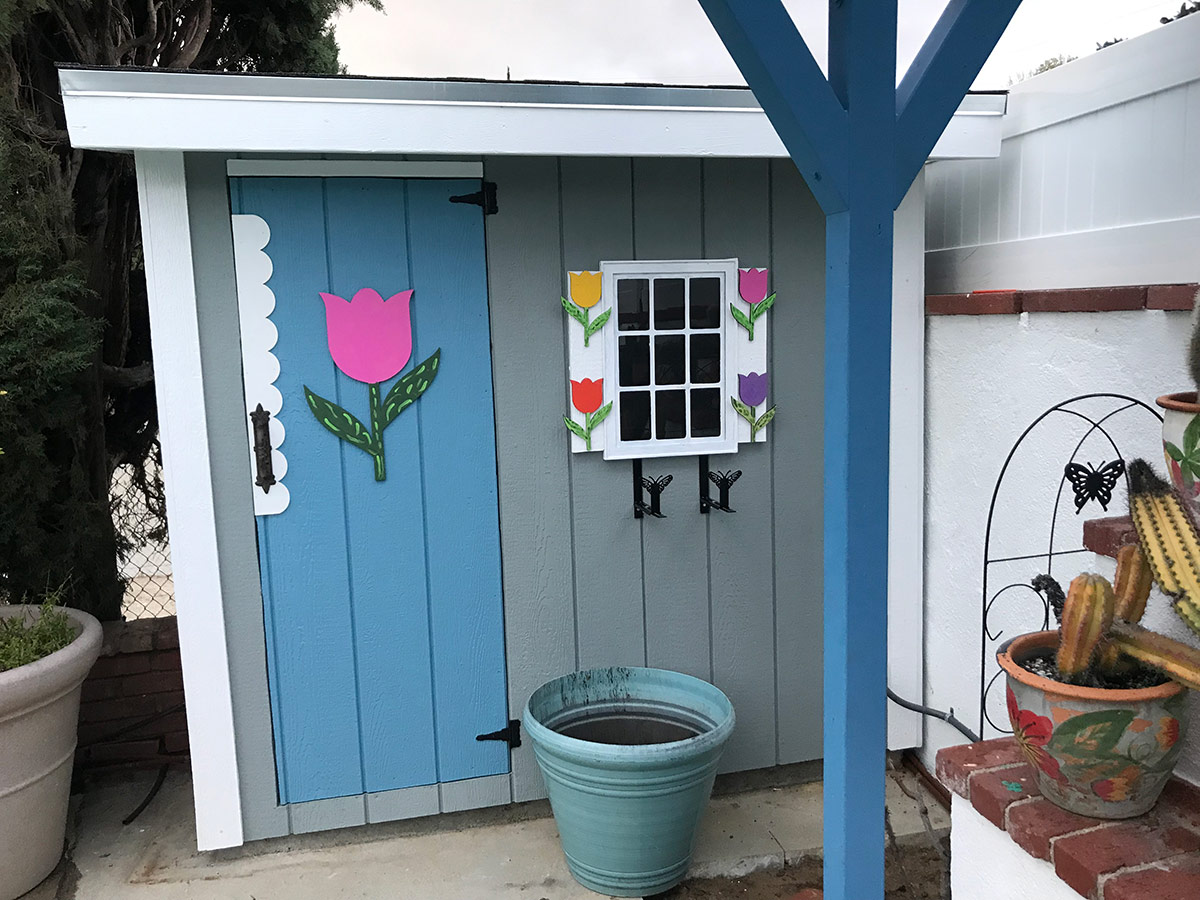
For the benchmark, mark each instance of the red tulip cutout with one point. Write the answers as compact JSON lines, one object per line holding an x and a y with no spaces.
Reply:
{"x":370,"y":340}
{"x":586,"y":396}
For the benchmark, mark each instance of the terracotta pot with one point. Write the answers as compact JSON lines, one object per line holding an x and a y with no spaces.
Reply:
{"x":1101,"y":753}
{"x":1181,"y":441}
{"x":39,"y":721}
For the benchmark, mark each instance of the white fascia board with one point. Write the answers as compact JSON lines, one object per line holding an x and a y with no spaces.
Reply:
{"x":140,"y":110}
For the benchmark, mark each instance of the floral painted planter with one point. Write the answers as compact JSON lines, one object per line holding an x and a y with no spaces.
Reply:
{"x":1095,"y":752}
{"x":1181,"y":441}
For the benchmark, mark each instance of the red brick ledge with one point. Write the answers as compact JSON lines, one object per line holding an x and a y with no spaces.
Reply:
{"x":1153,"y":856}
{"x":1105,"y":299}
{"x":1107,"y":536}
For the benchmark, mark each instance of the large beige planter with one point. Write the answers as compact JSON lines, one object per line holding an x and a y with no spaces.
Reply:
{"x":39,"y":713}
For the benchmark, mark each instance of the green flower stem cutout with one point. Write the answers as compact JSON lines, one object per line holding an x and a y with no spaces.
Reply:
{"x":752,"y":286}
{"x":586,"y":396}
{"x":585,"y":293}
{"x":753,"y":390}
{"x":349,"y":428}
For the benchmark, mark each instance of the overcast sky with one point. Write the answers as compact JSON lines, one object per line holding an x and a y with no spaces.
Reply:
{"x":671,"y":41}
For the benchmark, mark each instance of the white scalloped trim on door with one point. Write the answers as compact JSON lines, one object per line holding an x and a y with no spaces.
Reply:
{"x":260,"y":367}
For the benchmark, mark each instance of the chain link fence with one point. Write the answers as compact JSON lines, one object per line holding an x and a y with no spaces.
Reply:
{"x":144,"y":555}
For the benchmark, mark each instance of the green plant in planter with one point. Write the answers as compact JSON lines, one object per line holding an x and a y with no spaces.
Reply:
{"x":1099,"y":624}
{"x":23,"y":641}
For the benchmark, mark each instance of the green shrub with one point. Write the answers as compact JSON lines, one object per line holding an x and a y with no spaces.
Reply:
{"x":26,"y":639}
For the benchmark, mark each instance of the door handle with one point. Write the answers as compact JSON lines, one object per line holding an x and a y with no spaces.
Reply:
{"x":265,"y":476}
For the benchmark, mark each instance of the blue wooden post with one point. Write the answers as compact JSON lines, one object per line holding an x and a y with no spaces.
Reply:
{"x":858,"y":141}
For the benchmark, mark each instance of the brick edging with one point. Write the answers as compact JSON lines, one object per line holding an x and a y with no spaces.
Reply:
{"x":1155,"y":855}
{"x":132,"y":707}
{"x":1094,"y":299}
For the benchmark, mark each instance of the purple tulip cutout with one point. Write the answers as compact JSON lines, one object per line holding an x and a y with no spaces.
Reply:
{"x":752,"y":388}
{"x":752,"y":392}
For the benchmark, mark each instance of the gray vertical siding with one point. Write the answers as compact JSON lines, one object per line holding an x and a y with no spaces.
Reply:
{"x":797,"y":450}
{"x":737,"y":222}
{"x":731,"y":598}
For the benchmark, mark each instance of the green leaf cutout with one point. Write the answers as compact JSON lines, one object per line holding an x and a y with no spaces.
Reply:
{"x":596,"y":324}
{"x":594,"y":419}
{"x":575,"y":312}
{"x":1191,"y":436}
{"x":338,"y":421}
{"x":1091,"y":734}
{"x":740,"y":318}
{"x":743,"y":410}
{"x":1172,"y":451}
{"x":764,"y":420}
{"x":758,"y":309}
{"x":413,"y":384}
{"x":576,"y":428}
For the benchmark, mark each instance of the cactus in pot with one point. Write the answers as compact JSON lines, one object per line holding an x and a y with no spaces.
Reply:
{"x":1098,"y":705}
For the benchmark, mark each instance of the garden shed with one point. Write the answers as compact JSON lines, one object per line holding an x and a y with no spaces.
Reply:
{"x":467,"y":385}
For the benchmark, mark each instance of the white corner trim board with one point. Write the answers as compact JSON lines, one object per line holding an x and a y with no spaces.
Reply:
{"x":260,"y":367}
{"x":187,"y":475}
{"x":906,"y":482}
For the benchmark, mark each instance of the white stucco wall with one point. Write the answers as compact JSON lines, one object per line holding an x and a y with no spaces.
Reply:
{"x":987,"y":378}
{"x":986,"y":864}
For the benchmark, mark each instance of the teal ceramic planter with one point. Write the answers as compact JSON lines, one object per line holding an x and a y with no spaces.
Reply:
{"x":628,"y":756}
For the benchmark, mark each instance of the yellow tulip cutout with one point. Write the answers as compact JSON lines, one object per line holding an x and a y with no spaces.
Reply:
{"x":585,"y":292}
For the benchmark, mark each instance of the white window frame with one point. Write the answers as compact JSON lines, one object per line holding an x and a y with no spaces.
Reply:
{"x":727,"y":441}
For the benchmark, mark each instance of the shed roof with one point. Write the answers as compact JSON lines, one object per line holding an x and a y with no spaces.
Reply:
{"x":149,"y":109}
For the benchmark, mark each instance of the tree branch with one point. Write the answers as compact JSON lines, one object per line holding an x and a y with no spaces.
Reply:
{"x":127,"y":377}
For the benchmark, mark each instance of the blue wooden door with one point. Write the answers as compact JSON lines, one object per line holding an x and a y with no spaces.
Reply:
{"x":382,"y":599}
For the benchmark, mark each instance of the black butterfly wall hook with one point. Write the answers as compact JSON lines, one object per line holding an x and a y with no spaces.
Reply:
{"x":1090,"y":483}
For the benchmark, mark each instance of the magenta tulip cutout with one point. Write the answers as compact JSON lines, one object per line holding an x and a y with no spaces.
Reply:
{"x":752,"y":288}
{"x":370,"y":340}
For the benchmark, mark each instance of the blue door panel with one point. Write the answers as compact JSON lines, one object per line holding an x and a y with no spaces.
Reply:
{"x":382,"y":600}
{"x":460,"y":486}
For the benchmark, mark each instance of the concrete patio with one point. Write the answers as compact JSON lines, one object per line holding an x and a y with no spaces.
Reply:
{"x":509,"y":852}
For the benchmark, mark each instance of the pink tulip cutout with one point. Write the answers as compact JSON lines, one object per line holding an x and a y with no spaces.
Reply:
{"x":752,"y":285}
{"x":370,"y":339}
{"x":752,"y":288}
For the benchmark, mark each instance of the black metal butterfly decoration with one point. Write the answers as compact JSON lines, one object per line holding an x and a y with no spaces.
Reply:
{"x":1090,"y":483}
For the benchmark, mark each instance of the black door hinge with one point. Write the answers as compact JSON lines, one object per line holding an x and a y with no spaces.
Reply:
{"x":510,"y":734}
{"x":484,"y":197}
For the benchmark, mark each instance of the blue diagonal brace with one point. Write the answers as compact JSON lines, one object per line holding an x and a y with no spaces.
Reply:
{"x":777,"y":64}
{"x":940,"y":76}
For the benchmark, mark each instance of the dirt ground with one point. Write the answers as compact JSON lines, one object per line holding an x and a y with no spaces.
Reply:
{"x":918,"y":873}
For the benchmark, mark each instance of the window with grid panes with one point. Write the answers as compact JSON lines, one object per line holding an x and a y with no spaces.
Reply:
{"x":668,"y":355}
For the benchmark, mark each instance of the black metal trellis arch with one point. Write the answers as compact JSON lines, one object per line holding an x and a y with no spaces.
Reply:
{"x":1095,"y":425}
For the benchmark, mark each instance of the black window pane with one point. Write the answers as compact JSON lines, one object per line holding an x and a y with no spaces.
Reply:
{"x":633,"y":360}
{"x":668,"y":303}
{"x":633,"y":304}
{"x":706,"y":412}
{"x":635,"y":415}
{"x":706,"y":358}
{"x":705,"y":302}
{"x":669,"y":413}
{"x":669,"y":367}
